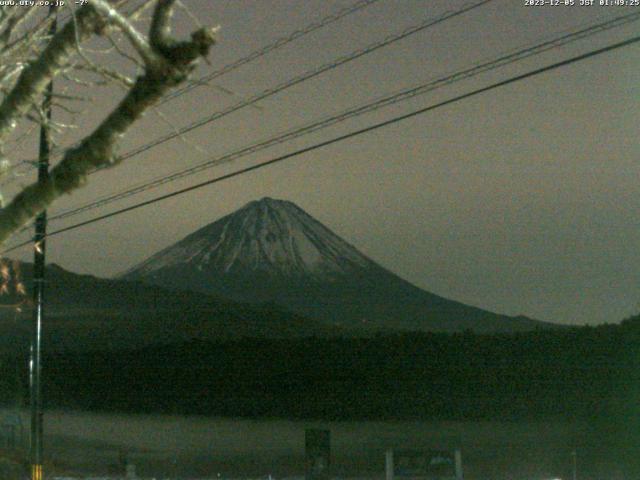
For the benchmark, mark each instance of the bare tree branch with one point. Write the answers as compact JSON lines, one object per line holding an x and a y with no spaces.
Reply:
{"x":10,"y":23}
{"x":138,"y":40}
{"x":34,"y":79}
{"x":169,"y":63}
{"x":160,"y":34}
{"x":140,"y":9}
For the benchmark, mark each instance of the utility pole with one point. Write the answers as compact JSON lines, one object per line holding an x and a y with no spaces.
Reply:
{"x":35,"y":360}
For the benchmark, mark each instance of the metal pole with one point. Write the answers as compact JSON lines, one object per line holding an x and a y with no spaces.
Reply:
{"x":574,"y":454}
{"x":35,"y":360}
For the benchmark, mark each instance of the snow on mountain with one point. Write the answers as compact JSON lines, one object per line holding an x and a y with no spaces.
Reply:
{"x":272,"y":251}
{"x":267,"y":236}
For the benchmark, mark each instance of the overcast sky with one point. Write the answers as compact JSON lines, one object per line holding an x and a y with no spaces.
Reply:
{"x":522,"y":200}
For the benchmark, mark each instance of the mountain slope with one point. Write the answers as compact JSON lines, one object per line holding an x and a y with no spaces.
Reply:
{"x":271,"y":250}
{"x":273,"y":237}
{"x":83,"y":312}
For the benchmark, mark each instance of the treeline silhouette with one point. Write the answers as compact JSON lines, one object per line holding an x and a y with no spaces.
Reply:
{"x":575,"y":373}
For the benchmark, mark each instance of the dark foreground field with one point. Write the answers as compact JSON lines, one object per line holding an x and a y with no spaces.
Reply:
{"x":516,"y":405}
{"x":171,"y":446}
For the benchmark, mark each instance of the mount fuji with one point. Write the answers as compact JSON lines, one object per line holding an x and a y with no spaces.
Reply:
{"x":273,"y":251}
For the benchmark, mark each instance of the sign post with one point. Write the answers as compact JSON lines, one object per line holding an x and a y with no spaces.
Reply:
{"x":423,"y":465}
{"x":318,"y":453}
{"x":35,"y":352}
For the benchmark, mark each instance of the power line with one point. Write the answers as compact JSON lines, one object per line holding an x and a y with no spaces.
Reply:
{"x":397,"y":97}
{"x":427,"y":23}
{"x":275,"y":45}
{"x":278,"y":43}
{"x":346,"y":136}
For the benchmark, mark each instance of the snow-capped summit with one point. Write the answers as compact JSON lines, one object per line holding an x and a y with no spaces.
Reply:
{"x":273,"y":237}
{"x":273,"y":251}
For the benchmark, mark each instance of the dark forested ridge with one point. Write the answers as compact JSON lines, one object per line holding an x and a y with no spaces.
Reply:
{"x":585,"y":372}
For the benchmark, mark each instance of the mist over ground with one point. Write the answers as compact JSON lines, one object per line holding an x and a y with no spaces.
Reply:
{"x":196,"y":446}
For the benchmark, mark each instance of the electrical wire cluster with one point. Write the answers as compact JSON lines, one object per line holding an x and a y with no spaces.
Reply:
{"x":327,"y":121}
